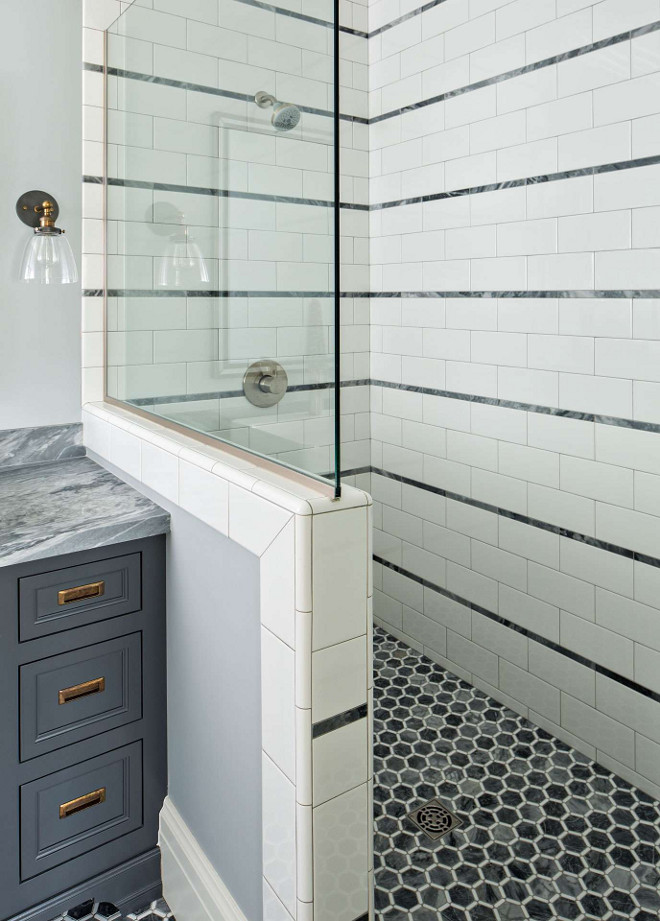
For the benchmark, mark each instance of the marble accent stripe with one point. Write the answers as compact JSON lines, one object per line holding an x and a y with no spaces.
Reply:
{"x":587,"y":293}
{"x":211,"y":292}
{"x":323,"y":727}
{"x":411,"y":15}
{"x":616,"y":421}
{"x":214,"y":192}
{"x":230,"y":394}
{"x":530,"y":634}
{"x":218,"y":193}
{"x":523,"y":519}
{"x":208,"y":90}
{"x":303,"y":17}
{"x":524,"y":407}
{"x":637,"y":163}
{"x":637,"y":294}
{"x":511,"y":74}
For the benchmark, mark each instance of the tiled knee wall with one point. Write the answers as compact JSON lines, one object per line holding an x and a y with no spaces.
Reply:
{"x":515,"y":310}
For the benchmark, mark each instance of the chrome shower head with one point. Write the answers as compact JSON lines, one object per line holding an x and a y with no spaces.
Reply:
{"x":285,"y":115}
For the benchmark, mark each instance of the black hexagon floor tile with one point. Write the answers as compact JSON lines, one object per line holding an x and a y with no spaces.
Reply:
{"x":101,"y":910}
{"x":546,"y":833}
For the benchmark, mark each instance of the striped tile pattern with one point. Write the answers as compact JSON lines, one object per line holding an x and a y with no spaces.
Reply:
{"x":515,"y":364}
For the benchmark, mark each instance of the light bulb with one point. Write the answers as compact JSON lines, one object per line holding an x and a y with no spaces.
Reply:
{"x":48,"y":260}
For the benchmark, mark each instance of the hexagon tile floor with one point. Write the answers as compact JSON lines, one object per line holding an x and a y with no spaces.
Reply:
{"x":93,"y":910}
{"x":545,"y":832}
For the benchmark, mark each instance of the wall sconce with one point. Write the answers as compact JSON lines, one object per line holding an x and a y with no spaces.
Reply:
{"x":48,"y":258}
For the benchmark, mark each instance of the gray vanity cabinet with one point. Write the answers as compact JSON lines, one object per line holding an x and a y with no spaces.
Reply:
{"x":82,"y":728}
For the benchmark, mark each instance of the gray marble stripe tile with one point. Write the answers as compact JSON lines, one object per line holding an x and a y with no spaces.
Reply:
{"x":635,"y":294}
{"x":219,"y":193}
{"x":518,"y":71}
{"x":40,"y":445}
{"x":597,"y":418}
{"x":209,"y":90}
{"x":638,"y":293}
{"x":411,"y":15}
{"x":491,"y":615}
{"x":227,"y":394}
{"x":524,"y":407}
{"x":230,"y":394}
{"x":523,"y":519}
{"x":637,"y":163}
{"x":216,"y":292}
{"x":216,"y":193}
{"x":303,"y":17}
{"x":323,"y":727}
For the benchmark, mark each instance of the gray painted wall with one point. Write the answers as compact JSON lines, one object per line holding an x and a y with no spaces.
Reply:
{"x":214,"y":697}
{"x":40,"y":147}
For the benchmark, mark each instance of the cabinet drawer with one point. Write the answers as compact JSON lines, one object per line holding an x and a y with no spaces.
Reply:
{"x":79,"y":694}
{"x":80,"y":595}
{"x":71,"y":812}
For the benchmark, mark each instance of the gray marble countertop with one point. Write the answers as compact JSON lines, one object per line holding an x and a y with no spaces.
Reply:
{"x":70,"y":505}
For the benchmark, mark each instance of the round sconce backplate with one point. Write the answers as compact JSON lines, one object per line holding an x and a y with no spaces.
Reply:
{"x":29,"y":201}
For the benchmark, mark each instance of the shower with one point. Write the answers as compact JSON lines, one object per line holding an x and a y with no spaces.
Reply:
{"x":285,"y":115}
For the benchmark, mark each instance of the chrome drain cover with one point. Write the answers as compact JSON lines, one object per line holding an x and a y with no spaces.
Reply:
{"x":434,"y":819}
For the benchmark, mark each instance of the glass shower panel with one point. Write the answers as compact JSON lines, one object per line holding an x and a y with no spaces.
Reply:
{"x":220,"y":209}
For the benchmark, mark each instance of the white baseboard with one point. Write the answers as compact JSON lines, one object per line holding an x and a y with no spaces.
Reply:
{"x":191,"y":886}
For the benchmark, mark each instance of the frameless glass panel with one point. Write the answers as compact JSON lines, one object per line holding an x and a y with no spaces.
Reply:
{"x":221,"y":224}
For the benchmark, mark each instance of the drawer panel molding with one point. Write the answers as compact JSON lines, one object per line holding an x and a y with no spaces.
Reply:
{"x":77,"y":695}
{"x":70,"y":812}
{"x":79,"y":595}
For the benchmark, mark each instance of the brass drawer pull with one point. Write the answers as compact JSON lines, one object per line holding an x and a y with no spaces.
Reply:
{"x":82,"y":802}
{"x":97,"y":686}
{"x":91,"y":590}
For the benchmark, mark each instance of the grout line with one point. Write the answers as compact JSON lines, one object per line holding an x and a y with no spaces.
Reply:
{"x":522,"y":519}
{"x":536,"y":637}
{"x":520,"y":71}
{"x":525,"y":182}
{"x":323,"y":727}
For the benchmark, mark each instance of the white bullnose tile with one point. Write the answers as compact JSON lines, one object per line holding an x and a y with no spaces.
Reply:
{"x":278,"y":713}
{"x":340,"y":761}
{"x":277,"y":575}
{"x":279,"y":833}
{"x":342,"y":828}
{"x":204,"y":495}
{"x":274,"y":910}
{"x":160,"y":471}
{"x":254,"y":522}
{"x":339,"y":678}
{"x":339,"y":576}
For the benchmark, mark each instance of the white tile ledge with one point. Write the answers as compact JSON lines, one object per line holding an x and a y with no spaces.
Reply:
{"x":242,"y":472}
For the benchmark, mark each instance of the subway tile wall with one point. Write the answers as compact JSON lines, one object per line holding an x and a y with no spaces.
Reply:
{"x":515,"y":334}
{"x":182,"y":118}
{"x":509,"y":434}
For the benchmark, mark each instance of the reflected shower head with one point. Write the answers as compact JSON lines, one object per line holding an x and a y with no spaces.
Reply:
{"x":285,"y":115}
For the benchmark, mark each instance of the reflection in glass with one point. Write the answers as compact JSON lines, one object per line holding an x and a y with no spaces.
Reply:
{"x":182,"y":265}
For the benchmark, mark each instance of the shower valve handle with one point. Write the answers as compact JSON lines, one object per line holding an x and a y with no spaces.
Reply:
{"x":265,"y":382}
{"x":271,"y":383}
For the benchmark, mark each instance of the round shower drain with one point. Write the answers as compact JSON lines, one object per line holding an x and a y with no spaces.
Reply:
{"x":434,"y":819}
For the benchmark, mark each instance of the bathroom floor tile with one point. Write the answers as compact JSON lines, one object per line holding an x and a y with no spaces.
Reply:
{"x":105,"y":911}
{"x":546,"y":833}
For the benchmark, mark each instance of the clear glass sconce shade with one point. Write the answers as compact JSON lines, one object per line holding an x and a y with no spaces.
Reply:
{"x":48,"y":260}
{"x":183,"y":265}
